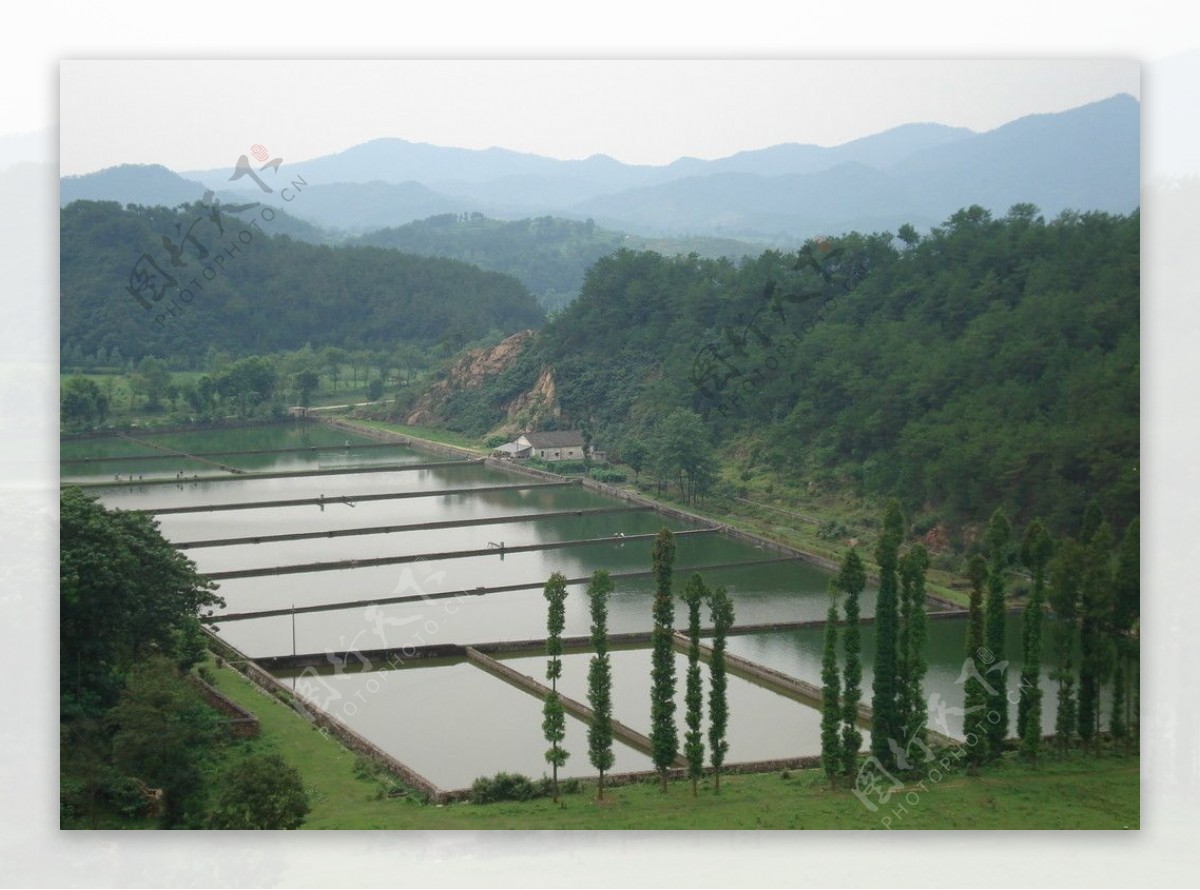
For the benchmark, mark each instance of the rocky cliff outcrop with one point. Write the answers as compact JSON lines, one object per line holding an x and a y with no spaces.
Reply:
{"x":524,"y":412}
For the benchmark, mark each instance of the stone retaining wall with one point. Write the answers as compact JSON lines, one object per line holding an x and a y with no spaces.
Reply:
{"x":242,"y":724}
{"x":326,"y":723}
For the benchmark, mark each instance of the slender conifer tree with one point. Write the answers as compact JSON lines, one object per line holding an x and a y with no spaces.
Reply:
{"x":721,"y":608}
{"x":600,"y":733}
{"x":1036,"y":549}
{"x":1126,"y":611}
{"x":975,"y":696}
{"x":831,"y":711}
{"x":1066,"y":572}
{"x":999,"y":536}
{"x":1096,"y":649}
{"x":914,"y":712}
{"x":664,"y":739}
{"x":695,"y":594}
{"x":886,"y":727}
{"x":553,"y":716}
{"x":851,"y":580}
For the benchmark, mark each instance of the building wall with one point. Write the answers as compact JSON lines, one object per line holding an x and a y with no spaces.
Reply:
{"x":572,"y":453}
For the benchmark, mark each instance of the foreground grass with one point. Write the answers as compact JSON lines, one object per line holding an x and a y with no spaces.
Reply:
{"x":1068,"y":792}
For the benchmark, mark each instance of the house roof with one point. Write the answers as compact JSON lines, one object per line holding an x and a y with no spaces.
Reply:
{"x":510,"y":448}
{"x":555,"y":439}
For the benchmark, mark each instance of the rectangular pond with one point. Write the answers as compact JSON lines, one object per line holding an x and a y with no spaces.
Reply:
{"x":453,"y":722}
{"x":763,"y":725}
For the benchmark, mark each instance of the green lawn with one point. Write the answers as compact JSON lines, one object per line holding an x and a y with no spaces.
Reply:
{"x":1070,"y":792}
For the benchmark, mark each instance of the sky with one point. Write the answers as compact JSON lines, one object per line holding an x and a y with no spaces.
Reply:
{"x":190,"y":115}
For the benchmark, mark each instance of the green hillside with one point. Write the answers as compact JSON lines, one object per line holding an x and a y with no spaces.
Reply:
{"x":549,"y":255}
{"x":991,"y":363}
{"x":256,"y":291}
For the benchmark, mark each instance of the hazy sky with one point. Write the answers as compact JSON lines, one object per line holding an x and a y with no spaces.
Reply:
{"x":195,"y":114}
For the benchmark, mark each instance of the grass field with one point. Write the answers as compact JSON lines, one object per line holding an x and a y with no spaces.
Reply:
{"x":1069,"y":792}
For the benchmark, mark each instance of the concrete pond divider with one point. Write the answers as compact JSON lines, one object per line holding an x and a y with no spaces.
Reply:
{"x":242,"y":724}
{"x":539,"y":690}
{"x":480,"y":654}
{"x":614,"y":491}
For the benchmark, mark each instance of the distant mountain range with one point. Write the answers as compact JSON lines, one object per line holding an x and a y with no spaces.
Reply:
{"x":1087,"y":158}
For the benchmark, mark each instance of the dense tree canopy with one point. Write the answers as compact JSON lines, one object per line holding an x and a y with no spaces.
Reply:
{"x":82,"y":403}
{"x":262,"y":792}
{"x":994,"y":362}
{"x":125,"y":593}
{"x":550,"y":256}
{"x":273,"y":293}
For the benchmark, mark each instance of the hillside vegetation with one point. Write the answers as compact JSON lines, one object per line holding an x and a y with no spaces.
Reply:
{"x":549,"y":256}
{"x":273,"y":293}
{"x":991,"y":363}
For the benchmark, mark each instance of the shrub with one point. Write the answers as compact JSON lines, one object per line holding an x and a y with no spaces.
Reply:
{"x":565,"y":467}
{"x":365,"y":768}
{"x":604,"y":474}
{"x":260,"y":791}
{"x":504,"y":786}
{"x":832,"y":529}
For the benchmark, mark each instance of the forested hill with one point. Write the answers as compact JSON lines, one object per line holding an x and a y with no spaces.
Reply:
{"x":549,"y":255}
{"x":258,"y":292}
{"x":993,"y":362}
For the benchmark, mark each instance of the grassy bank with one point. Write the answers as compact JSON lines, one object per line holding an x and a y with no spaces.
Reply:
{"x":1064,"y":792}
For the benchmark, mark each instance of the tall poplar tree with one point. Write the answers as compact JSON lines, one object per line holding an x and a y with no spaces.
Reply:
{"x":664,"y":740}
{"x":1126,"y":611}
{"x":1066,"y":572}
{"x":886,"y":725}
{"x":600,"y":732}
{"x":553,"y":716}
{"x":1095,"y":642}
{"x":831,"y":712}
{"x":998,"y":537}
{"x":693,"y":746}
{"x":1036,"y":549}
{"x":975,"y":696}
{"x":851,"y":580}
{"x":721,"y":608}
{"x":914,"y":712}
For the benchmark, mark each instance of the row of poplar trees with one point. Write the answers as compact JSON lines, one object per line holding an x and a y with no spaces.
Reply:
{"x":897,"y":700}
{"x":664,"y":739}
{"x":1087,"y":586}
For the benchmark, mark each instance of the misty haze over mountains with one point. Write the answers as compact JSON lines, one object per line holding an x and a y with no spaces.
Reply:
{"x":1086,"y":158}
